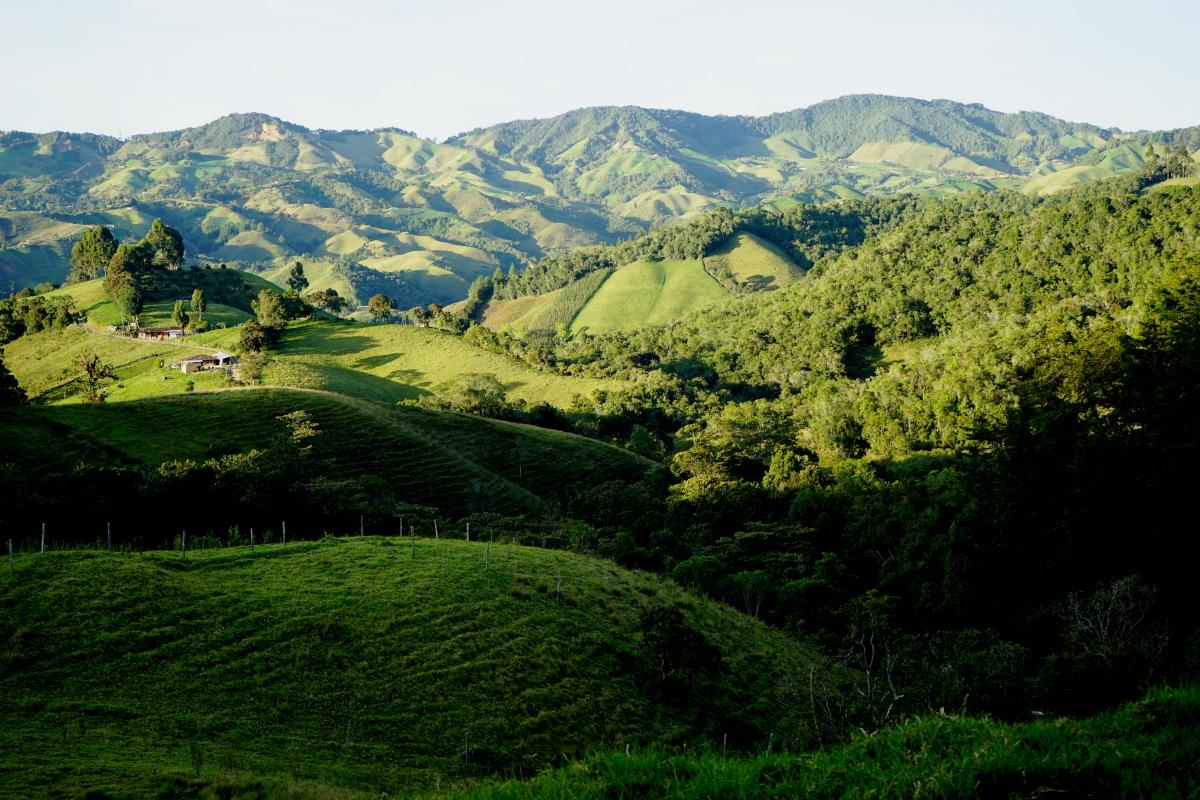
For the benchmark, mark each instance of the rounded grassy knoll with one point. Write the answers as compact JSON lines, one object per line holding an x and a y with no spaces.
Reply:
{"x":355,"y":667}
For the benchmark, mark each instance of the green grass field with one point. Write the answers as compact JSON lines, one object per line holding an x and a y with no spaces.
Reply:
{"x":754,"y":262}
{"x":648,"y":293}
{"x":387,"y":363}
{"x":455,"y":462}
{"x":362,"y":667}
{"x":545,"y":311}
{"x":47,"y":363}
{"x":1148,"y":749}
{"x":401,"y":362}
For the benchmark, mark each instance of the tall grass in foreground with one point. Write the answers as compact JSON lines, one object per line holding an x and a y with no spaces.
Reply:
{"x":1148,"y":749}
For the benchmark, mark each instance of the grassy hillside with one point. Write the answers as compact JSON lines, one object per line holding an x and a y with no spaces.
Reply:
{"x":351,"y":668}
{"x":235,"y":288}
{"x":1147,"y":749}
{"x":455,"y":462}
{"x":753,"y":262}
{"x":581,"y":288}
{"x":401,"y":362}
{"x":47,"y":364}
{"x":377,"y":362}
{"x":649,"y":292}
{"x":545,"y":311}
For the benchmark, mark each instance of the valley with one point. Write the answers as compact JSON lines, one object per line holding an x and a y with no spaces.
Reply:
{"x":627,"y":453}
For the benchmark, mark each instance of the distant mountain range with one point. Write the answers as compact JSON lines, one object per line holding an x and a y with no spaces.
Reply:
{"x":385,"y":210}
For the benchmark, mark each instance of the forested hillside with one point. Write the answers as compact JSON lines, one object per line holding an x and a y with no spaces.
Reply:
{"x":387,"y":211}
{"x":964,"y":437}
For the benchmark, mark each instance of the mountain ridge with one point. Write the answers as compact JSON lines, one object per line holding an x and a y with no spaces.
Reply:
{"x":940,"y":101}
{"x":422,"y":219}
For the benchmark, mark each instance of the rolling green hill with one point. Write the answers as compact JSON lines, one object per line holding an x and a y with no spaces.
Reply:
{"x":455,"y":462}
{"x":401,"y":362}
{"x":544,"y":311}
{"x":356,"y":668}
{"x":649,"y":292}
{"x":388,"y":363}
{"x":384,"y":210}
{"x":753,"y":262}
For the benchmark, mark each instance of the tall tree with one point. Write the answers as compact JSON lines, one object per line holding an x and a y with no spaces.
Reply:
{"x":296,"y":280}
{"x":131,"y":258}
{"x":95,"y":376}
{"x":177,"y":315}
{"x":164,"y":245}
{"x":419,"y":316}
{"x":328,"y":299}
{"x":270,"y":309}
{"x":91,"y":254}
{"x":199,"y":306}
{"x":123,"y":289}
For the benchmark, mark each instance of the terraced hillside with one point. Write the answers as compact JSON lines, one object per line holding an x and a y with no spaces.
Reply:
{"x":454,"y":462}
{"x":355,"y":668}
{"x":384,"y":210}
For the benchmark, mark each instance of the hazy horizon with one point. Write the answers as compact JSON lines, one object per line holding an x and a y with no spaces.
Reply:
{"x":439,"y":73}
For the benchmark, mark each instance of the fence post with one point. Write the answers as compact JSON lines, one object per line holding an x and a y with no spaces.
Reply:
{"x":360,"y":524}
{"x":435,"y":530}
{"x":487,"y":555}
{"x":10,"y":564}
{"x":284,"y":524}
{"x":108,"y":532}
{"x":43,"y":537}
{"x":252,"y":538}
{"x":184,"y":541}
{"x":468,"y":531}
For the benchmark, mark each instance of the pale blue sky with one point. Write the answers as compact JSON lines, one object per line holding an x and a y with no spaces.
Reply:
{"x":132,"y":66}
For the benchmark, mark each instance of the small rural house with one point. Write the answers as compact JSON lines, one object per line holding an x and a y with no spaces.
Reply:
{"x":204,"y":361}
{"x":161,"y":333}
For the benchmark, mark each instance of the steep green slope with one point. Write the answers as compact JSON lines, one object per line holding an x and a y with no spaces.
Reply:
{"x":455,"y":462}
{"x":647,"y":293}
{"x":544,"y":311}
{"x":401,"y":362}
{"x":647,"y":290}
{"x":354,"y":668}
{"x":754,"y":263}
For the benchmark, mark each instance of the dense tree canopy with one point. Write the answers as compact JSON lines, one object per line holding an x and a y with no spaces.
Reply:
{"x":381,"y":306}
{"x":91,"y":254}
{"x":164,"y":245}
